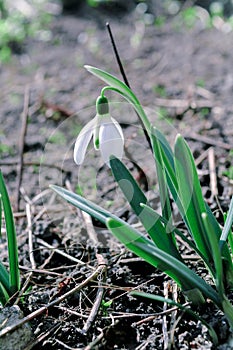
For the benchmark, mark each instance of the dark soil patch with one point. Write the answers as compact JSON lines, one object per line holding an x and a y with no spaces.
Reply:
{"x":180,"y":73}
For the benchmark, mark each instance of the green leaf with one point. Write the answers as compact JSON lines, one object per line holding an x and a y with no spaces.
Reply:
{"x":215,"y":254}
{"x":149,"y":218}
{"x":5,"y":278}
{"x":181,"y":307}
{"x":191,"y":196}
{"x":192,"y":205}
{"x":142,"y":246}
{"x":174,"y":268}
{"x":0,"y":215}
{"x":225,"y":252}
{"x":82,"y":203}
{"x":167,"y":158}
{"x":4,"y":296}
{"x":128,"y":185}
{"x":11,"y":237}
{"x":156,"y":226}
{"x":228,"y":311}
{"x":227,"y":226}
{"x":162,"y":179}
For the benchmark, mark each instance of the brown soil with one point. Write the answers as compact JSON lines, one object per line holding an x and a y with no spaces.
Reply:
{"x":181,"y":73}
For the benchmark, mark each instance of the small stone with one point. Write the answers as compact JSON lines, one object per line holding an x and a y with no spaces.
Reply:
{"x":18,"y":339}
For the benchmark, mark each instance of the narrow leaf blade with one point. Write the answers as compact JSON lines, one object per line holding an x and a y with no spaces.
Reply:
{"x":181,"y":307}
{"x":227,"y":226}
{"x":216,"y":255}
{"x":185,"y":277}
{"x":191,"y":196}
{"x":162,"y":179}
{"x":11,"y":237}
{"x":136,"y":198}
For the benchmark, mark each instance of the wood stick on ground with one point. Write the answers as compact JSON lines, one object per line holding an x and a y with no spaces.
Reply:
{"x":99,"y":295}
{"x":30,"y":237}
{"x":42,"y":336}
{"x":208,"y":140}
{"x":212,"y":170}
{"x":87,"y":219}
{"x":58,"y":251}
{"x":31,"y":163}
{"x":21,"y":144}
{"x":95,"y":341}
{"x":164,"y":324}
{"x":31,"y":255}
{"x":41,"y":310}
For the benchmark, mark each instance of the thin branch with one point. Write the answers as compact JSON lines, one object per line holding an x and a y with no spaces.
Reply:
{"x":41,"y":310}
{"x":212,"y":170}
{"x":208,"y":140}
{"x":125,"y":77}
{"x":117,"y":55}
{"x":95,"y":341}
{"x":56,"y":250}
{"x":99,"y":295}
{"x":32,"y":163}
{"x":30,"y":239}
{"x":164,"y":322}
{"x":42,"y":337}
{"x":21,"y":144}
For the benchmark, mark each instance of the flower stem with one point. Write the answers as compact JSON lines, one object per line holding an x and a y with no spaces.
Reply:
{"x":137,"y":106}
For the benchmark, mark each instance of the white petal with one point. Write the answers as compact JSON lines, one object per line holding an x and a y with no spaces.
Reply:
{"x":111,"y":139}
{"x":83,"y":140}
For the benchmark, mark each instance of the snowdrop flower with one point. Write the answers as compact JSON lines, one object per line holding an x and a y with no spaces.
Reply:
{"x":106,"y":132}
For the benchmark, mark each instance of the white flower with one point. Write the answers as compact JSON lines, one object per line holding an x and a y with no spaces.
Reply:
{"x":106,"y":132}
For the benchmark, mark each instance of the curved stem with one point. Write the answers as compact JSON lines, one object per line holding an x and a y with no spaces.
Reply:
{"x":136,"y":104}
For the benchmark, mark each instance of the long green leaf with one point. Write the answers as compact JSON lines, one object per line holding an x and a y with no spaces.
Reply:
{"x":156,"y":226}
{"x":128,"y":185}
{"x":149,"y":218}
{"x":141,"y":245}
{"x":215,"y":254}
{"x":82,"y":203}
{"x":5,"y":278}
{"x":193,"y":205}
{"x":4,"y":296}
{"x":181,"y":307}
{"x":227,"y":225}
{"x":11,"y":237}
{"x":185,"y":277}
{"x":182,"y":236}
{"x":0,"y":215}
{"x":227,"y":308}
{"x":162,"y":180}
{"x":167,"y":161}
{"x":191,"y":196}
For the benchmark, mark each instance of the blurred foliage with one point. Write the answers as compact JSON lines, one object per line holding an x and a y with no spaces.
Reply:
{"x":19,"y":20}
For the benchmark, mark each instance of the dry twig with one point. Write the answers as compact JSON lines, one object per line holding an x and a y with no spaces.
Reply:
{"x":212,"y":169}
{"x":21,"y":144}
{"x":99,"y":295}
{"x":41,"y":310}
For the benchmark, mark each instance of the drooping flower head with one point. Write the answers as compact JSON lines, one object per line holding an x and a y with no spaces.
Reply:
{"x":106,"y":132}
